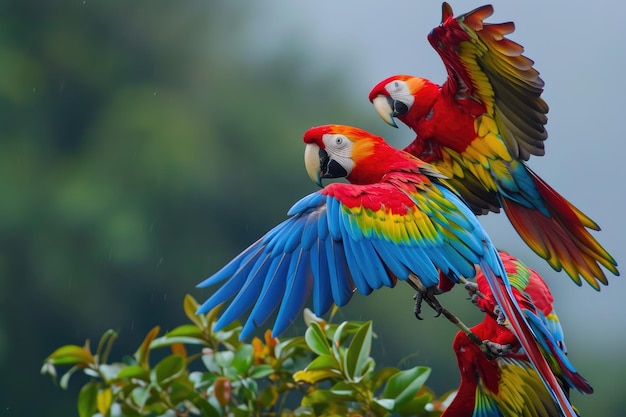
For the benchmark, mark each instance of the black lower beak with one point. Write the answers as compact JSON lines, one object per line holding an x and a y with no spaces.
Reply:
{"x":330,"y":168}
{"x":399,"y":108}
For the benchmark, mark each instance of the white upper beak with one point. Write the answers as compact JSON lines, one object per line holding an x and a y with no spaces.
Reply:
{"x":383,"y":108}
{"x":312,"y":162}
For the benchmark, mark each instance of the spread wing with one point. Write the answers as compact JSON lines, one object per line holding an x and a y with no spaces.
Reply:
{"x":486,"y":66}
{"x":344,"y":238}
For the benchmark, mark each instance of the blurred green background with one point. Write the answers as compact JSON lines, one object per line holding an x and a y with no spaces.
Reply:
{"x":143,"y":144}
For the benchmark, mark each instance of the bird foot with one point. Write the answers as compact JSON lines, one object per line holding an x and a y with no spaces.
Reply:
{"x":500,"y":318}
{"x":472,"y":290}
{"x":494,"y":349}
{"x":427,"y":295}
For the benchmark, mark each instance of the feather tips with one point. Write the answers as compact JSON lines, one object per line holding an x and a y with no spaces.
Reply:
{"x":490,"y":67}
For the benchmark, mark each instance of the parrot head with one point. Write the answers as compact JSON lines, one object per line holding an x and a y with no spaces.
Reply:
{"x":403,"y":96}
{"x":339,"y":151}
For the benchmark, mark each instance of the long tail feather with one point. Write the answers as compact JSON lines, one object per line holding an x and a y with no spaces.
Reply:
{"x":506,"y":300}
{"x":562,"y":363}
{"x":561,"y":239}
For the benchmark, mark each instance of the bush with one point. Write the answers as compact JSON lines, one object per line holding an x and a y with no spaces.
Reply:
{"x":327,"y":372}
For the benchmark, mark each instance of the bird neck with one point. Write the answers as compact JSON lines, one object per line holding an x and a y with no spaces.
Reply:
{"x":425,"y":97}
{"x":381,"y":162}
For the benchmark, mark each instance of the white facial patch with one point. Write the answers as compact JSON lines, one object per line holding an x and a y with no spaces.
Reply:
{"x":399,"y":90}
{"x":339,"y":148}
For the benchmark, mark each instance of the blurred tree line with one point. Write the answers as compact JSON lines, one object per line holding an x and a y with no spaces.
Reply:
{"x":140,"y":150}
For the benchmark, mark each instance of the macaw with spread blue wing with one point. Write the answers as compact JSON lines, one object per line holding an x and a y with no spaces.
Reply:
{"x":480,"y":127}
{"x":396,"y":219}
{"x":508,"y":385}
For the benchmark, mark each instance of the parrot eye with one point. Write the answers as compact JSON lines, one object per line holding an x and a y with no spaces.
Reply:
{"x":339,"y":140}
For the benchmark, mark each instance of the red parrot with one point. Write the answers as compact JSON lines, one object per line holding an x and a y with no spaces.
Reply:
{"x":508,"y":385}
{"x":396,"y":219}
{"x":480,"y":127}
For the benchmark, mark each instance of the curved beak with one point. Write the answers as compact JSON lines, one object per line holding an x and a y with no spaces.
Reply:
{"x":320,"y":165}
{"x":385,"y":108}
{"x":313,"y":163}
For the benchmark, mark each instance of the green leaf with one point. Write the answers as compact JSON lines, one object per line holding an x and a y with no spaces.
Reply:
{"x":105,"y":345}
{"x":358,"y":353}
{"x":403,"y":386}
{"x":243,"y":359}
{"x":65,"y":379}
{"x":381,"y":376}
{"x":182,"y":392}
{"x":337,"y":351}
{"x":188,"y":330}
{"x":190,"y":306}
{"x":316,"y":339}
{"x":170,"y":368}
{"x":312,"y":377}
{"x":287,"y":347}
{"x":110,"y":372}
{"x":164,"y":341}
{"x":142,"y":355}
{"x":414,"y":406}
{"x":87,"y":398}
{"x":386,"y":403}
{"x":261,"y":371}
{"x":140,"y":396}
{"x":242,"y":410}
{"x":224,"y":358}
{"x":104,"y":399}
{"x":133,"y":371}
{"x":323,"y":362}
{"x":71,"y":355}
{"x":129,"y":411}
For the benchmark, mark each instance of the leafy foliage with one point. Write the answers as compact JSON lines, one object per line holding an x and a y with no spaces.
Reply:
{"x":326,"y":372}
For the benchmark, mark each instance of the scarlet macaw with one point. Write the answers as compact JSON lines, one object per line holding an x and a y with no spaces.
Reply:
{"x":480,"y":127}
{"x":397,"y":219}
{"x":508,"y":385}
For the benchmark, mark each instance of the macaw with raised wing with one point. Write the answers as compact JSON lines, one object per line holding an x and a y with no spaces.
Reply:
{"x":396,"y":219}
{"x":480,"y":127}
{"x":508,"y":385}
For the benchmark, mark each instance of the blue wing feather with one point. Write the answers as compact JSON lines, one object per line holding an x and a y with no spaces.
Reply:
{"x":370,"y":262}
{"x":341,"y":282}
{"x":246,"y":295}
{"x":308,"y":202}
{"x":397,"y":268}
{"x":354,"y":265}
{"x":334,"y":215}
{"x":309,"y":231}
{"x":233,"y":284}
{"x":272,"y":291}
{"x":322,"y":292}
{"x":297,"y":291}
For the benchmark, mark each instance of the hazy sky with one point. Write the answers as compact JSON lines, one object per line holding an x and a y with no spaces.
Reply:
{"x":580,"y":52}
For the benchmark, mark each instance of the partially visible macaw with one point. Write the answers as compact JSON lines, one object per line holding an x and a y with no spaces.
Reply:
{"x":397,"y":219}
{"x":480,"y":127}
{"x":508,"y":385}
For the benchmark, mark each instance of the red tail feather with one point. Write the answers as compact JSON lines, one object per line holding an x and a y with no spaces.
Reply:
{"x":562,"y":239}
